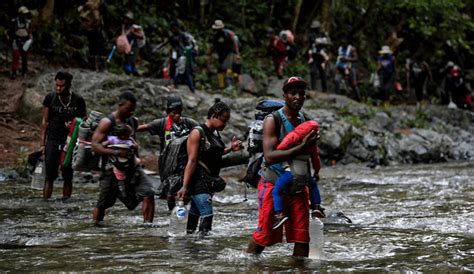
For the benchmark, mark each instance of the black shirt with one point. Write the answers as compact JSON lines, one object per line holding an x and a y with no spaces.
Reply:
{"x":60,"y":113}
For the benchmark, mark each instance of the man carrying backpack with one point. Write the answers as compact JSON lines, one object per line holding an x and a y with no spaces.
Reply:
{"x":168,"y":128}
{"x":225,"y":44}
{"x":136,"y":40}
{"x":138,"y":188}
{"x":183,"y":49}
{"x":296,"y":203}
{"x":277,"y":50}
{"x":317,"y":56}
{"x":20,"y":38}
{"x":346,"y":67}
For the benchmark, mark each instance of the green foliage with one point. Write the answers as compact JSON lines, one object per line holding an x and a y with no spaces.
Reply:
{"x":422,"y":119}
{"x":347,"y":116}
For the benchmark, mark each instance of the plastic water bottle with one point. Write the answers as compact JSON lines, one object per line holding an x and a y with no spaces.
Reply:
{"x":178,"y":219}
{"x":316,"y":230}
{"x":37,"y":180}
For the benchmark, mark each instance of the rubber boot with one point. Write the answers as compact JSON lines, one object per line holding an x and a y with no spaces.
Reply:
{"x":205,"y":226}
{"x":220,"y":80}
{"x":192,"y":223}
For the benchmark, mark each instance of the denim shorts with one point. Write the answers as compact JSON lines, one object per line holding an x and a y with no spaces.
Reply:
{"x":201,"y":205}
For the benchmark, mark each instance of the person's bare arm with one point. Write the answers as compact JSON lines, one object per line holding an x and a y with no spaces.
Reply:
{"x":270,"y":141}
{"x":144,"y":127}
{"x":44,"y":125}
{"x":100,"y":135}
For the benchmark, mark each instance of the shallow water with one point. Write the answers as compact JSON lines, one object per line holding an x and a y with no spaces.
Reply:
{"x":405,"y":218}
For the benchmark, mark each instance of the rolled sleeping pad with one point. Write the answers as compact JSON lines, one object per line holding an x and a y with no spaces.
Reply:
{"x":296,"y":136}
{"x":71,"y":141}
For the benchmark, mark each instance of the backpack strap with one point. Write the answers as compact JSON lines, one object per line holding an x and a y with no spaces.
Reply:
{"x":201,"y":144}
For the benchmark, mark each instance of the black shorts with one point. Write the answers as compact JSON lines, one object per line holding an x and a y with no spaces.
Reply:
{"x":140,"y":187}
{"x":52,"y":156}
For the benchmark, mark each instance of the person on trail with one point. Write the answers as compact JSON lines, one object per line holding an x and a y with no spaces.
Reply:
{"x":291,"y":175}
{"x":123,"y":167}
{"x":225,"y":44}
{"x":183,"y":50}
{"x":419,"y":71}
{"x":136,"y":39}
{"x":168,"y":128}
{"x":387,"y":72}
{"x":138,"y":188}
{"x":60,"y":107}
{"x":277,"y":50}
{"x":317,"y":56}
{"x":204,"y":163}
{"x":20,"y":38}
{"x":91,"y":17}
{"x":460,"y":93}
{"x":346,"y":67}
{"x":296,"y":201}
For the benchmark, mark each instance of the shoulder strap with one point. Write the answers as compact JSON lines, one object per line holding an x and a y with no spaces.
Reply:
{"x":202,"y":142}
{"x":278,"y":121}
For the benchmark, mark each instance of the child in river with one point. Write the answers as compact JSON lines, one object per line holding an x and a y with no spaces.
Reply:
{"x":295,"y":176}
{"x":123,"y":167}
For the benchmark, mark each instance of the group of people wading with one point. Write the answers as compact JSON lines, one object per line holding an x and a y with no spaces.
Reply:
{"x":61,"y":106}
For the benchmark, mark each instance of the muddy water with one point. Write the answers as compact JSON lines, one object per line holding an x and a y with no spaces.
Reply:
{"x":405,"y":218}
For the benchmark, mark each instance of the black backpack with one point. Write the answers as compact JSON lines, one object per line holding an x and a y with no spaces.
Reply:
{"x":255,"y":139}
{"x":173,"y":161}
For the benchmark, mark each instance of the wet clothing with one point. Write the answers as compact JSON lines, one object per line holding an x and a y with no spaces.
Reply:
{"x":294,"y":203}
{"x":297,"y":210}
{"x":137,"y":187}
{"x":52,"y":156}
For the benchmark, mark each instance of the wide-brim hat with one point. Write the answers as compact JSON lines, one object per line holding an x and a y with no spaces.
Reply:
{"x":294,"y":82}
{"x":385,"y":50}
{"x":129,"y":15}
{"x":218,"y":24}
{"x":315,"y":24}
{"x":23,"y":10}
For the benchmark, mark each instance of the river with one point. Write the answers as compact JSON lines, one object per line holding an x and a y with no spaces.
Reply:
{"x":405,"y":218}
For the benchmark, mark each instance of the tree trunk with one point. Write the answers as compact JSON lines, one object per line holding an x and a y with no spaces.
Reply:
{"x":270,"y":15}
{"x":326,"y":16}
{"x":47,"y":12}
{"x":243,"y":3}
{"x":202,"y":10}
{"x":296,"y":15}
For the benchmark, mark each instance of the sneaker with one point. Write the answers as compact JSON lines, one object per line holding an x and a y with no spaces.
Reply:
{"x":279,"y":220}
{"x":318,"y":212}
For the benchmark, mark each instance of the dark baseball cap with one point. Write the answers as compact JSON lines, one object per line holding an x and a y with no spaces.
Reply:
{"x":173,"y":102}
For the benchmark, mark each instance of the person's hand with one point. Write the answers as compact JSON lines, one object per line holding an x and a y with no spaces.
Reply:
{"x":237,"y":57}
{"x":68,"y":124}
{"x":310,"y":139}
{"x":316,"y":177}
{"x":181,"y":193}
{"x":236,"y":144}
{"x":310,"y":61}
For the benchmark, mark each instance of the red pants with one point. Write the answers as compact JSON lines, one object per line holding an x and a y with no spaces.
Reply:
{"x":16,"y":60}
{"x":296,"y":207}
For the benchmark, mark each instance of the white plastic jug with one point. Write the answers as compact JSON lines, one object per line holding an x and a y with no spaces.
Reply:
{"x":37,"y":180}
{"x":178,"y":220}
{"x":316,"y":230}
